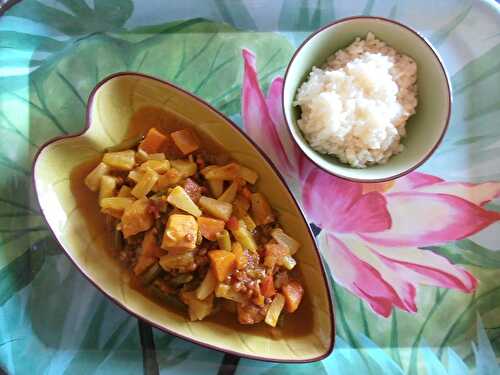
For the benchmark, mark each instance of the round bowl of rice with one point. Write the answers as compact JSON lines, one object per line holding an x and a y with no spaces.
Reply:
{"x":367,"y":99}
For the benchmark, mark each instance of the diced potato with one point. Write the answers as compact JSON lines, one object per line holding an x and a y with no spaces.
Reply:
{"x":107,"y":188}
{"x":210,"y":227}
{"x":249,"y":222}
{"x":145,"y":183}
{"x":230,"y":193}
{"x":197,"y":309}
{"x":182,"y":262}
{"x":261,"y":210}
{"x":180,"y":199}
{"x":274,"y":311}
{"x":207,"y":286}
{"x":153,"y":141}
{"x":284,"y":239}
{"x":218,"y":209}
{"x":293,"y":293}
{"x":159,"y":166}
{"x":223,"y":240}
{"x":216,"y":187}
{"x":125,"y":192}
{"x":244,"y":237}
{"x":143,"y":263}
{"x":93,"y":179}
{"x":240,"y":206}
{"x":241,"y":258}
{"x":136,"y":217}
{"x":135,"y":175}
{"x":226,"y":172}
{"x":222,"y":262}
{"x":180,"y":233}
{"x":169,"y":178}
{"x":185,"y":140}
{"x":116,"y":203}
{"x":225,"y":291}
{"x":121,"y":160}
{"x":267,"y":286}
{"x":248,"y":175}
{"x":186,"y":168}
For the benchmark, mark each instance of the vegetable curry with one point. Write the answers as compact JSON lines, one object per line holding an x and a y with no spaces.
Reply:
{"x":190,"y":225}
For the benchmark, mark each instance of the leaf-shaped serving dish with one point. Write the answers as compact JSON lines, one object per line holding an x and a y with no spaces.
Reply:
{"x":308,"y":334}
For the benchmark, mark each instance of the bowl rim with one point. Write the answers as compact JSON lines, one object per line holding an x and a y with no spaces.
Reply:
{"x":440,"y":62}
{"x":207,"y":345}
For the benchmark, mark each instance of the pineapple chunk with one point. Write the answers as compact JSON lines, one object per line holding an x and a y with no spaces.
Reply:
{"x":145,"y":183}
{"x":198,"y":309}
{"x":186,"y":168}
{"x":125,"y":191}
{"x":248,"y":175}
{"x":116,"y":203}
{"x":180,"y":233}
{"x":225,"y":291}
{"x":230,"y":193}
{"x":135,"y":175}
{"x":274,"y":311}
{"x":225,"y":172}
{"x":180,"y":199}
{"x":136,"y":217}
{"x":170,"y":178}
{"x":218,"y":209}
{"x":93,"y":179}
{"x":121,"y":160}
{"x":285,"y":240}
{"x":159,"y":166}
{"x":107,"y":188}
{"x":207,"y":286}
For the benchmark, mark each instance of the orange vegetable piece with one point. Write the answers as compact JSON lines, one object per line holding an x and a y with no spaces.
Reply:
{"x":274,"y":253}
{"x":153,"y":142}
{"x":223,"y":263}
{"x":267,"y":286}
{"x":185,"y":140}
{"x":210,"y":227}
{"x":293,"y":293}
{"x":150,"y":245}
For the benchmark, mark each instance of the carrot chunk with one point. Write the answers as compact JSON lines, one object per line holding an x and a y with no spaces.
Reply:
{"x":153,"y":142}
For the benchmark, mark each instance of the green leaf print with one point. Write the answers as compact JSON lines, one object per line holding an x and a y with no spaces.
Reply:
{"x":469,"y":253}
{"x":24,"y":268}
{"x":80,"y":18}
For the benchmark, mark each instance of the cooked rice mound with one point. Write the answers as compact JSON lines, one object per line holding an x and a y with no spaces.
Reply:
{"x":357,"y":105}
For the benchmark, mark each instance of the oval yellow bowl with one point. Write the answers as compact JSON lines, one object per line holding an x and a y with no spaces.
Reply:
{"x":110,"y":107}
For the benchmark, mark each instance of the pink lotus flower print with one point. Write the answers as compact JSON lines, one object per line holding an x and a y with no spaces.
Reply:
{"x":374,"y":232}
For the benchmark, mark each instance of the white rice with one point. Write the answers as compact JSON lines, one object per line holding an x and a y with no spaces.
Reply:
{"x":357,"y":106}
